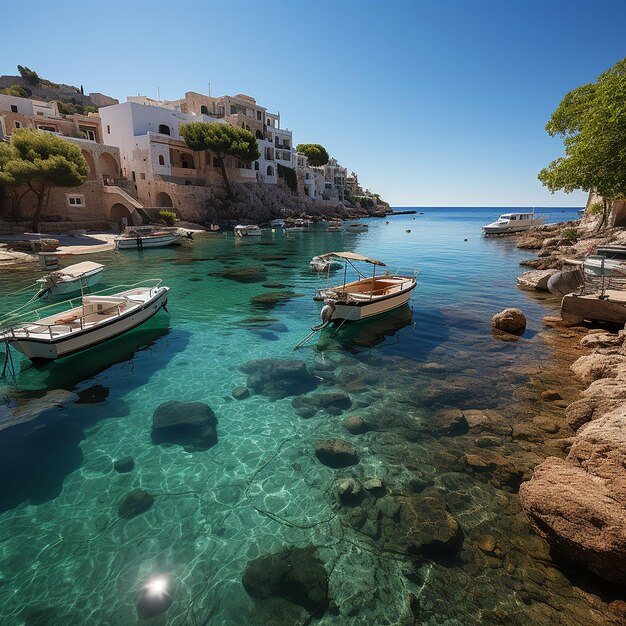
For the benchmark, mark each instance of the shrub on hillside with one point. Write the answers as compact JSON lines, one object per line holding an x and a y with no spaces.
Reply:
{"x":167,"y":217}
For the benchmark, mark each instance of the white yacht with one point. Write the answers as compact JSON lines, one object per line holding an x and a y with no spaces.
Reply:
{"x":89,"y":321}
{"x":250,"y":230}
{"x":138,"y":238}
{"x":364,"y":298}
{"x":277,"y":223}
{"x":509,"y":223}
{"x":73,"y":278}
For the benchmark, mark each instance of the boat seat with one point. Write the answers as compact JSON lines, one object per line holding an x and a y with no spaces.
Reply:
{"x":67,"y":319}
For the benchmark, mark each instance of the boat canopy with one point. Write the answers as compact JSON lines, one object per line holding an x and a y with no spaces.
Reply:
{"x":352,"y":256}
{"x":78,"y":269}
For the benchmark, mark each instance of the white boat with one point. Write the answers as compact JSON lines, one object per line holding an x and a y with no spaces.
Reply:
{"x":95,"y":320}
{"x":277,"y":223}
{"x":334,"y":226}
{"x":138,"y":239}
{"x":605,"y":260}
{"x":251,"y":230}
{"x":321,"y":264}
{"x":364,"y":298}
{"x":77,"y":277}
{"x":509,"y":223}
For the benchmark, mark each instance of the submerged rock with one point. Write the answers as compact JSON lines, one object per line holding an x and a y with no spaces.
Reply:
{"x":295,"y":574}
{"x":279,"y":378}
{"x":333,"y":402}
{"x":336,"y":453}
{"x":249,"y":274}
{"x":93,"y":395}
{"x":122,"y":466}
{"x":355,"y":424}
{"x":192,"y":425}
{"x":272,"y":298}
{"x":349,"y":490}
{"x":134,"y":503}
{"x":448,"y":423}
{"x":510,"y":321}
{"x":240,"y":393}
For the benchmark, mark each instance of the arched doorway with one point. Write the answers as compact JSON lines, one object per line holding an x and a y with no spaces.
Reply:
{"x":258,"y":134}
{"x":163,"y":199}
{"x":204,"y":110}
{"x":108,"y":166}
{"x":121,"y":216}
{"x":270,"y":170}
{"x":92,"y":165}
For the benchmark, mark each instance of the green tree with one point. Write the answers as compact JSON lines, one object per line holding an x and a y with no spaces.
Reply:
{"x":41,"y":161}
{"x":316,"y":153}
{"x":12,"y":178}
{"x":591,"y":120}
{"x":28,"y":75}
{"x":17,"y":90}
{"x":222,"y":140}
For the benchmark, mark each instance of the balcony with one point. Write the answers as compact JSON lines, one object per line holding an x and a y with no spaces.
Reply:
{"x":184,"y":172}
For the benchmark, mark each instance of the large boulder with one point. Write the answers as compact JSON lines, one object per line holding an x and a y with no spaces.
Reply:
{"x":510,"y":321}
{"x":134,"y":503}
{"x":192,"y":425}
{"x":595,"y":366}
{"x":577,"y":503}
{"x":355,"y":424}
{"x":336,"y":453}
{"x":295,"y":574}
{"x":536,"y":280}
{"x":279,"y":378}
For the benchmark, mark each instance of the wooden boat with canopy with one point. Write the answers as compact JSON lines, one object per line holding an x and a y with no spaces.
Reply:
{"x":363,"y":298}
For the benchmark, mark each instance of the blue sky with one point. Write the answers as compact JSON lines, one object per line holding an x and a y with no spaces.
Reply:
{"x":439,"y":102}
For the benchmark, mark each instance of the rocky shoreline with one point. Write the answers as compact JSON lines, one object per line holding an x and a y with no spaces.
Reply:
{"x":575,"y":500}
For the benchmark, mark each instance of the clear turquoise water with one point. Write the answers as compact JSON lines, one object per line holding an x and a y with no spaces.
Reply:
{"x":66,"y":558}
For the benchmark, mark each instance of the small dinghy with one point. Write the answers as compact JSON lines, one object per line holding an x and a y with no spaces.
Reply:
{"x":247,"y":230}
{"x":78,"y":277}
{"x":89,"y":321}
{"x":140,"y":238}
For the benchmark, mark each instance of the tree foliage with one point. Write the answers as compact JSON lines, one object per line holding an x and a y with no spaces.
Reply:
{"x":591,"y":120}
{"x":30,"y":76}
{"x":222,"y":140}
{"x":18,"y":91}
{"x":39,"y":161}
{"x":315,"y":152}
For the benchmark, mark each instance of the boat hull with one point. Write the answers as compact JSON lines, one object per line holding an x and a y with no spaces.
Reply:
{"x":70,"y":286}
{"x":49,"y":350}
{"x":140,"y":243}
{"x":355,"y":312}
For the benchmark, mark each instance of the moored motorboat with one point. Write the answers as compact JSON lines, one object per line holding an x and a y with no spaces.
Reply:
{"x":89,"y":321}
{"x":320,"y":264}
{"x":277,"y":223}
{"x":247,"y":230}
{"x":358,"y":226}
{"x":509,"y":223}
{"x":140,"y":238}
{"x":363,"y":298}
{"x":605,"y":260}
{"x":77,"y":277}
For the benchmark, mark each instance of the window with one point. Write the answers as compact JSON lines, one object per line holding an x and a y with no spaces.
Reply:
{"x":89,"y":133}
{"x":216,"y":162}
{"x":161,"y":160}
{"x":164,"y":129}
{"x":18,"y":125}
{"x":134,"y":176}
{"x":13,"y":108}
{"x":108,"y":130}
{"x":142,"y":176}
{"x":50,"y":129}
{"x":256,"y":166}
{"x":259,"y":116}
{"x":75,"y":200}
{"x":270,"y":171}
{"x":233,"y":109}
